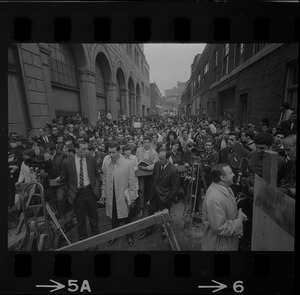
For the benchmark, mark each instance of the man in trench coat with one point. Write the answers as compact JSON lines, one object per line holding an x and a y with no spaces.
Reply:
{"x":118,"y":187}
{"x":223,"y":223}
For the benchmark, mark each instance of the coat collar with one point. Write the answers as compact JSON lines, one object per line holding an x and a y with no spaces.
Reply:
{"x":223,"y":189}
{"x":119,"y":160}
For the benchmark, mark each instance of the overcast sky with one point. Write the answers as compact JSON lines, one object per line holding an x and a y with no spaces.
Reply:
{"x":170,"y":63}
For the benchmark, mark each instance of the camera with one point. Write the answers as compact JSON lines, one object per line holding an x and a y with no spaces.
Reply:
{"x":198,"y":154}
{"x":38,"y":164}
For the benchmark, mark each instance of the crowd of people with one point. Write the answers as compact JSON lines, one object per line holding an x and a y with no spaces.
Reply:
{"x":119,"y":148}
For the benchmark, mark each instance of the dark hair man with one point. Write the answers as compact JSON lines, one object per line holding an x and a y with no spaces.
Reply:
{"x":248,"y":140}
{"x":223,"y":223}
{"x":118,"y":186}
{"x":290,"y":126}
{"x":234,"y":146}
{"x":148,"y":155}
{"x":166,"y":181}
{"x":79,"y":179}
{"x":285,"y":112}
{"x":263,"y":142}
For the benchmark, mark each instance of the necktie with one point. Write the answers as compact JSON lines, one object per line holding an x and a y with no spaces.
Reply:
{"x":81,"y":184}
{"x":161,"y":171}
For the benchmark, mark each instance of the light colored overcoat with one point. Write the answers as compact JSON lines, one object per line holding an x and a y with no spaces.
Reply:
{"x":121,"y":174}
{"x":220,"y":219}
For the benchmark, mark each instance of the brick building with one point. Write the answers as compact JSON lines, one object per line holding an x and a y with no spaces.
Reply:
{"x":155,"y":100}
{"x":247,"y":81}
{"x":49,"y":80}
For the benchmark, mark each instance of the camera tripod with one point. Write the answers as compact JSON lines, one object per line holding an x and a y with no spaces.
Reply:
{"x":42,"y":227}
{"x":193,"y":192}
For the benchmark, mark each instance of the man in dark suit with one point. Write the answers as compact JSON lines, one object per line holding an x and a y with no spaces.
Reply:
{"x":234,"y":146}
{"x":55,"y":160}
{"x":166,"y":182}
{"x":54,"y":135}
{"x":290,"y":126}
{"x":79,"y":179}
{"x":43,"y":138}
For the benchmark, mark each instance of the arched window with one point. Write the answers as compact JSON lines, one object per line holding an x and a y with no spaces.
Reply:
{"x":100,"y":89}
{"x":100,"y":81}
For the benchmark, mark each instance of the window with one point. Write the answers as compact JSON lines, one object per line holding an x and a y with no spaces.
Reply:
{"x":291,"y":92}
{"x":206,"y":68}
{"x":258,"y":47}
{"x":100,"y":82}
{"x":216,"y":58}
{"x":226,"y":60}
{"x":194,"y":85}
{"x":215,"y":66}
{"x":199,"y":79}
{"x":143,"y":88}
{"x":62,"y":65}
{"x":135,"y":56}
{"x":239,"y":54}
{"x":147,"y":73}
{"x":118,"y":92}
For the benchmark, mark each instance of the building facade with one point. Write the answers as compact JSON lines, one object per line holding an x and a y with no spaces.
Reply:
{"x":173,"y":97}
{"x":247,"y":81}
{"x":49,"y":80}
{"x":155,"y":100}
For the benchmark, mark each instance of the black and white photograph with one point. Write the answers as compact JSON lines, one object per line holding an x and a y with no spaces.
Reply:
{"x":152,"y":147}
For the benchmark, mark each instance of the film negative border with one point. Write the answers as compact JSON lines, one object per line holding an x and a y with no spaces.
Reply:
{"x":151,"y":22}
{"x":154,"y":272}
{"x":149,"y":272}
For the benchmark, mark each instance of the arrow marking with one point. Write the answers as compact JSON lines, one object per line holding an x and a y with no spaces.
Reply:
{"x":219,"y":287}
{"x":56,"y":287}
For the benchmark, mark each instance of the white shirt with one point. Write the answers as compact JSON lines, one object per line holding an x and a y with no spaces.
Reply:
{"x":146,"y":154}
{"x":86,"y":180}
{"x":164,"y":167}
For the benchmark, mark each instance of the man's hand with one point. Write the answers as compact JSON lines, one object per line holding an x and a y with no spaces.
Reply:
{"x":242,"y":215}
{"x":102,"y":200}
{"x":14,"y":167}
